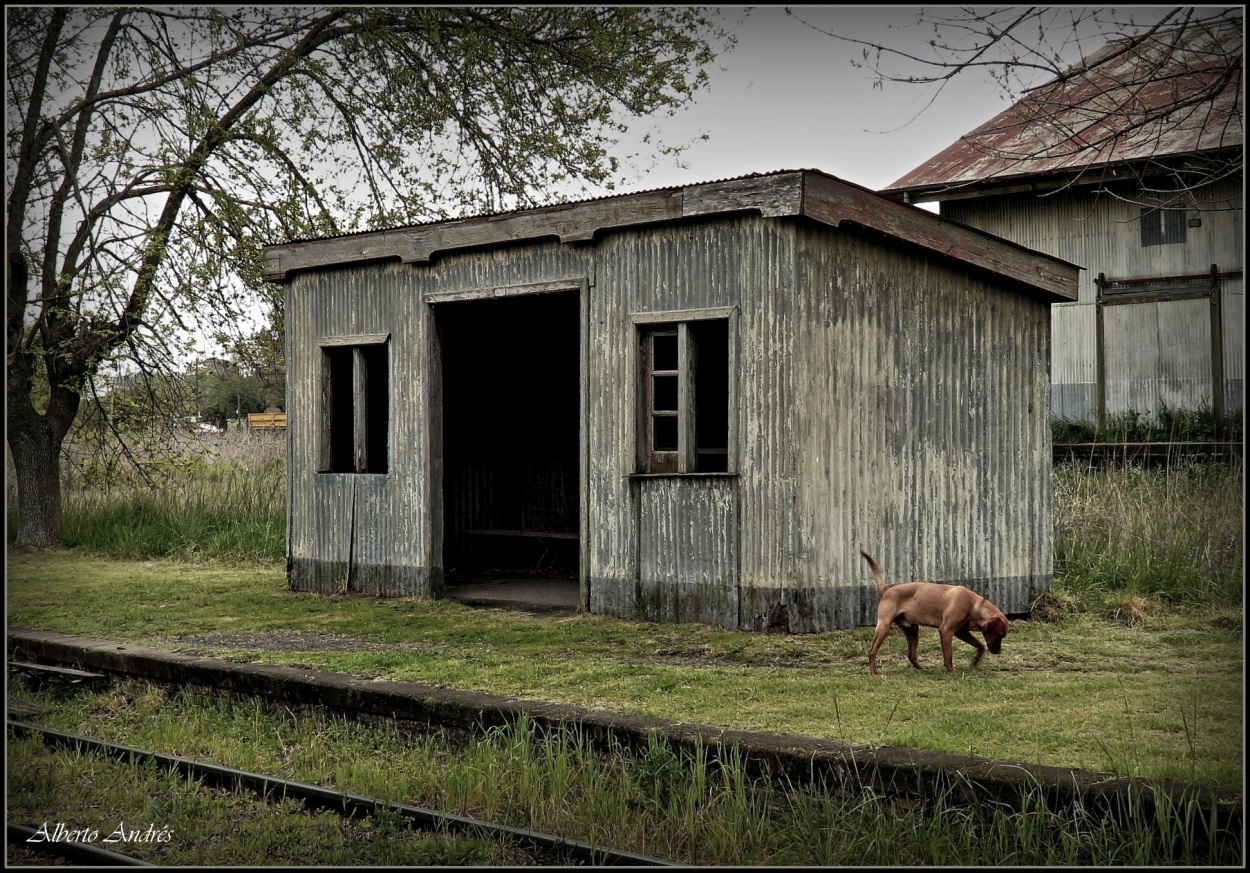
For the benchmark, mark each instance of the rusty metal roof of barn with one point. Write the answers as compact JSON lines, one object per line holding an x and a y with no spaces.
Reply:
{"x":1105,"y":112}
{"x":809,"y":193}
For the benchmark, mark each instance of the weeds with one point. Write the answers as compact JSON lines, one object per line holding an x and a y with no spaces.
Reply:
{"x":692,"y":803}
{"x":1167,"y":425}
{"x":1127,"y":539}
{"x":224,"y":511}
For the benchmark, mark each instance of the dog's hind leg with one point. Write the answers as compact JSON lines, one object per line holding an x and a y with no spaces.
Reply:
{"x":948,"y":655}
{"x":883,"y":628}
{"x":912,"y":632}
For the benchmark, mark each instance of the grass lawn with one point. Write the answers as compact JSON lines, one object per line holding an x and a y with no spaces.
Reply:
{"x":1163,"y":698}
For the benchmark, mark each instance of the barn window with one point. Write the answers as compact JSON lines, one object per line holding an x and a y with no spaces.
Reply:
{"x":1162,"y":226}
{"x":685,"y":396}
{"x":356,"y":405}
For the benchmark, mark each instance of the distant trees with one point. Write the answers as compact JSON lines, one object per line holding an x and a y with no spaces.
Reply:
{"x":151,"y":152}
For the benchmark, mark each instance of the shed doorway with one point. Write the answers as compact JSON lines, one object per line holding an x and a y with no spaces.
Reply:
{"x":511,"y":435}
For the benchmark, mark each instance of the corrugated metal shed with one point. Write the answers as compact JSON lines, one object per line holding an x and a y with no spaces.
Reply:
{"x":1178,"y":92}
{"x":878,"y":379}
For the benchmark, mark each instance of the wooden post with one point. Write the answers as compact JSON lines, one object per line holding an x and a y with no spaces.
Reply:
{"x":1100,"y":355}
{"x":1217,"y":346}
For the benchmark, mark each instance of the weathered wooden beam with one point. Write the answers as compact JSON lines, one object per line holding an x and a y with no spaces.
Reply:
{"x":576,"y":222}
{"x":833,"y":202}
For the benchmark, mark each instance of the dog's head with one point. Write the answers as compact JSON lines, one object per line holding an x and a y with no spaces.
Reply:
{"x":994,"y":630}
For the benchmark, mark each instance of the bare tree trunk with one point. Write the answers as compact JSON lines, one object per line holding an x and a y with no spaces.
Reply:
{"x":35,"y":442}
{"x":37,"y":462}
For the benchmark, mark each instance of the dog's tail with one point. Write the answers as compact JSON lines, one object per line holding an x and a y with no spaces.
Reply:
{"x":876,"y":571}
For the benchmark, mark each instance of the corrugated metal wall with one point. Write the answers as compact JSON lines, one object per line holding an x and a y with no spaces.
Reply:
{"x":883,"y":401}
{"x":925,"y":430}
{"x":384,"y":525}
{"x":1102,"y":234}
{"x":637,"y":522}
{"x":357,"y":532}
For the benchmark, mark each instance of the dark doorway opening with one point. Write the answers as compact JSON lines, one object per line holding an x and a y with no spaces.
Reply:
{"x":511,"y":389}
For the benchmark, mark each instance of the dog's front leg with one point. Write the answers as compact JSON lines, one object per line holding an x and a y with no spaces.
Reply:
{"x":967,"y":637}
{"x":948,"y":654}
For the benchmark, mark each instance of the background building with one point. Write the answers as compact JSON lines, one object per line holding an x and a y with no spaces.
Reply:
{"x":1131,"y":166}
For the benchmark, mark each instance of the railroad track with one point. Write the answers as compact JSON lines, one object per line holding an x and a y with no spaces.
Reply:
{"x":544,"y":848}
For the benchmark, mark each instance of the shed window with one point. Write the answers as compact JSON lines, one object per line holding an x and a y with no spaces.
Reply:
{"x":1162,"y":226}
{"x":685,"y":397}
{"x":356,"y":408}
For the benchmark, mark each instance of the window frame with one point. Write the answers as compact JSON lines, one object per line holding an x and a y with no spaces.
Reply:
{"x":362,"y":407}
{"x":1163,"y":225}
{"x":680,"y":323}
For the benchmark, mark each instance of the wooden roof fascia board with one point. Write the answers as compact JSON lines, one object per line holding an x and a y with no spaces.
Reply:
{"x":833,"y":202}
{"x":575,"y":222}
{"x":771,"y":196}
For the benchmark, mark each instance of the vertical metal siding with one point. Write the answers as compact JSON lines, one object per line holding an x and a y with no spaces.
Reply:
{"x":1102,"y":234}
{"x":687,"y":560}
{"x":374,"y":533}
{"x":1074,"y":365}
{"x":647,"y":558}
{"x":884,"y":401}
{"x":1158,"y":354}
{"x":1234,"y":316}
{"x":925,"y":441}
{"x":353,"y":532}
{"x":772,"y":541}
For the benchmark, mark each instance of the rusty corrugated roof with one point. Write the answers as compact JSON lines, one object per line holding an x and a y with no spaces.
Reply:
{"x":1174,"y":93}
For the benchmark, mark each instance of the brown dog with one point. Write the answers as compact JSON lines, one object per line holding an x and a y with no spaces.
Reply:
{"x":953,"y":609}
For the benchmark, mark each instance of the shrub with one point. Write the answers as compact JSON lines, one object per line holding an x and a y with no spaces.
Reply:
{"x":1167,"y":425}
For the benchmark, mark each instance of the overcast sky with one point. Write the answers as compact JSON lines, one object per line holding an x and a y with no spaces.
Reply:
{"x":789,"y":98}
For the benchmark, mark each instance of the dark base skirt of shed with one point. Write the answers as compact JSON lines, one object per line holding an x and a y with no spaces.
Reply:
{"x":769,"y":610}
{"x":817,"y":610}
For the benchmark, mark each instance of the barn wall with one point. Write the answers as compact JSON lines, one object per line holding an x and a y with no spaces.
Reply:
{"x":1102,"y":234}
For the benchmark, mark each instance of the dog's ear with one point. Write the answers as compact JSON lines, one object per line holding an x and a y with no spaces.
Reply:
{"x":997,"y":626}
{"x":994,"y":630}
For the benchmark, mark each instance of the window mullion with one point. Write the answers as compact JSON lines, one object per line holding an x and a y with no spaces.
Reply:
{"x":325,"y":461}
{"x":360,"y":433}
{"x":686,"y":433}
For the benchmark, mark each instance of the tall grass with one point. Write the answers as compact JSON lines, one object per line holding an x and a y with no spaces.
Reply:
{"x":221,"y":499}
{"x":697,"y":804}
{"x":1169,"y":536}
